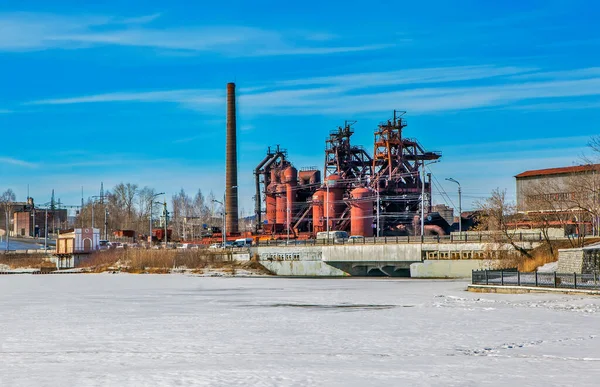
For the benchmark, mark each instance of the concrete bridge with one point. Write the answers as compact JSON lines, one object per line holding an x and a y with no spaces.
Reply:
{"x":393,"y":260}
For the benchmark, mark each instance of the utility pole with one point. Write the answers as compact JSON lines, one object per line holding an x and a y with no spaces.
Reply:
{"x":46,"y":231}
{"x":166,"y":221}
{"x":105,"y":223}
{"x":288,"y":224}
{"x":423,"y":165}
{"x":223,"y":232}
{"x":459,"y":204}
{"x":327,"y":209}
{"x":224,"y":223}
{"x":81,"y":212}
{"x":151,"y":202}
{"x":378,"y":198}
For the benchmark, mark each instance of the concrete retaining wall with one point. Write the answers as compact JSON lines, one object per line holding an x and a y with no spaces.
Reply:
{"x":448,"y":268}
{"x":528,"y":289}
{"x":372,"y":253}
{"x":303,"y":269}
{"x":570,"y":261}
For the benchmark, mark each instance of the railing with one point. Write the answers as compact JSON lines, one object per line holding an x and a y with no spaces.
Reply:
{"x":535,"y":279}
{"x":473,"y":238}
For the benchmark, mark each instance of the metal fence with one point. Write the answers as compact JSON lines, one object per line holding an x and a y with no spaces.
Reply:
{"x":535,"y":279}
{"x":474,"y":238}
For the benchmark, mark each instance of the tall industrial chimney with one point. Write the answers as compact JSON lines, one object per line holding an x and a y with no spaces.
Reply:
{"x":231,"y":189}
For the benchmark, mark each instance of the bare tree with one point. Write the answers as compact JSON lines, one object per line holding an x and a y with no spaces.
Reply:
{"x":584,"y":197}
{"x":125,"y":195}
{"x":7,"y":199}
{"x":146,"y":196}
{"x":549,"y":206}
{"x":181,"y":213}
{"x":496,"y":215}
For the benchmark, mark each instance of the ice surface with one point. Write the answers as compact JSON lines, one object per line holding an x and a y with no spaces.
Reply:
{"x":177,"y":330}
{"x":16,"y":245}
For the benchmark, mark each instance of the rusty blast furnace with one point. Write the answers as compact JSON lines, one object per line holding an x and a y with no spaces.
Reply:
{"x":361,"y":194}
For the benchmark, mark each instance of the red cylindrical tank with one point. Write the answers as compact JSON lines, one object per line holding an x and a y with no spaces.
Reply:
{"x":317,"y":215}
{"x":315,"y":178}
{"x":334,"y":200}
{"x":290,"y":177}
{"x":281,"y":204}
{"x":271,"y":204}
{"x":274,"y":176}
{"x":361,"y":213}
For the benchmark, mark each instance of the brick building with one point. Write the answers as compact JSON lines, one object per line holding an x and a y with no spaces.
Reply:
{"x":31,"y":221}
{"x":556,"y":185}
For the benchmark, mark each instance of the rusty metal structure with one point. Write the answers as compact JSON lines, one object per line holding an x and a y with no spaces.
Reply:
{"x":231,"y":196}
{"x":344,"y":159}
{"x":362,"y":194}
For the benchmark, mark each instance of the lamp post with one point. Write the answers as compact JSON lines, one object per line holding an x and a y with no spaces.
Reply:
{"x":166,"y":222}
{"x":224,"y":220}
{"x":105,"y":223}
{"x":224,"y":231}
{"x":378,"y":198}
{"x":459,"y":204}
{"x":151,"y":201}
{"x":423,"y":165}
{"x":327,"y":209}
{"x":94,"y":202}
{"x":288,"y":210}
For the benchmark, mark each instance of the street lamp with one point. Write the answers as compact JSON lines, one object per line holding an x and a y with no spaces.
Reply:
{"x":378,"y":205}
{"x":151,"y":201}
{"x":459,"y":204}
{"x":105,"y":223}
{"x":224,"y":231}
{"x":93,"y":202}
{"x":423,"y":165}
{"x":222,"y":203}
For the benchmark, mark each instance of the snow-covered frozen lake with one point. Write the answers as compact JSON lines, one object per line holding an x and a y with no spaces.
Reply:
{"x":176,"y":330}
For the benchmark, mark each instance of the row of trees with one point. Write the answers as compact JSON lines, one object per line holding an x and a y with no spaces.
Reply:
{"x":128,"y":207}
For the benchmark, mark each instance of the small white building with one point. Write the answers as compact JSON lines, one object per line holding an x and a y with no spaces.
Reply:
{"x":73,"y":246}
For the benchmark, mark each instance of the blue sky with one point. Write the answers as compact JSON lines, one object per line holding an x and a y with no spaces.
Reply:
{"x":134,"y":91}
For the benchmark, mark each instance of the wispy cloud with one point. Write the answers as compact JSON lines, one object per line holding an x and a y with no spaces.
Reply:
{"x":559,"y":106}
{"x":5,"y":111}
{"x":17,"y":162}
{"x":35,"y":31}
{"x":410,"y":76}
{"x":377,"y":92}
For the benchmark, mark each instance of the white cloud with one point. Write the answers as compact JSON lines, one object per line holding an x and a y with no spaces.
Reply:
{"x":558,"y":106}
{"x":350,"y":94}
{"x":318,"y":50}
{"x":17,"y":162}
{"x":5,"y":111}
{"x":191,"y":95}
{"x":35,"y":31}
{"x":410,"y":76}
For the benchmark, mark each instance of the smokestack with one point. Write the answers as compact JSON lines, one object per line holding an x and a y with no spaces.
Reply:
{"x":231,"y":197}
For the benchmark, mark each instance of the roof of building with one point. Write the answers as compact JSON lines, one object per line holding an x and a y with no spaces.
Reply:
{"x":559,"y":171}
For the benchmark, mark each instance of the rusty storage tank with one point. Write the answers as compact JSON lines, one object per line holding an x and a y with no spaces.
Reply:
{"x":334,"y":205}
{"x":281,"y":204}
{"x":271,"y":204}
{"x":271,"y":198}
{"x":274,"y":176}
{"x":290,"y":177}
{"x":315,"y":178}
{"x":318,"y":211}
{"x":361,"y":213}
